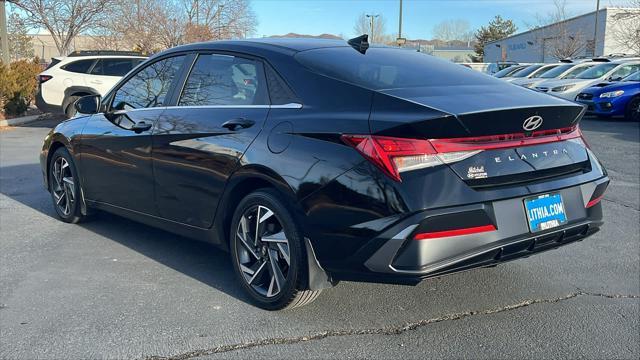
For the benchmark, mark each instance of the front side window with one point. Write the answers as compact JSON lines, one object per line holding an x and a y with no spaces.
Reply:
{"x":80,"y":66}
{"x":224,"y":80}
{"x":149,"y":87}
{"x":633,"y":77}
{"x":625,"y":71}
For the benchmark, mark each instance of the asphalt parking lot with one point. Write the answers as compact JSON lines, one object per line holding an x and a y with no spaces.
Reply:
{"x":112,"y":288}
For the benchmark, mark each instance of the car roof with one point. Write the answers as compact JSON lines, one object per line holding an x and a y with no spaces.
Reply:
{"x":269,"y":44}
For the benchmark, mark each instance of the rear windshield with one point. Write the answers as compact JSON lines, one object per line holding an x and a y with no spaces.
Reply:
{"x":596,"y":71}
{"x":53,"y":62}
{"x":387,"y":68}
{"x":555,"y":72}
{"x":526,"y":71}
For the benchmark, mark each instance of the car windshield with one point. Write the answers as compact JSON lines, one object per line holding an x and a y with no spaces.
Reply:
{"x":596,"y":71}
{"x":540,"y":72}
{"x":526,"y":71}
{"x":386,"y":68}
{"x":555,"y":72}
{"x":633,"y":77}
{"x":577,"y":71}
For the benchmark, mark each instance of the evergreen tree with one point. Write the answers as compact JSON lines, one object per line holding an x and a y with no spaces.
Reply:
{"x":497,"y":29}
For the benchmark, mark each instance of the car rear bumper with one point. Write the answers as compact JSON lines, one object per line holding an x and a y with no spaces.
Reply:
{"x":43,"y":106}
{"x":398,"y":258}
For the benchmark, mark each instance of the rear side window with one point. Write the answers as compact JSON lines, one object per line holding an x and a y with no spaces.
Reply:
{"x":80,"y":66}
{"x":224,"y":80}
{"x":149,"y":87}
{"x":114,"y":67}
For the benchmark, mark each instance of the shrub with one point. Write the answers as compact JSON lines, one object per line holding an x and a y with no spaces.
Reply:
{"x":18,"y":85}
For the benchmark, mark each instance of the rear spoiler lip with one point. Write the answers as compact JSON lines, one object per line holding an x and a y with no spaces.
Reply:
{"x":567,"y":104}
{"x":457,"y":116}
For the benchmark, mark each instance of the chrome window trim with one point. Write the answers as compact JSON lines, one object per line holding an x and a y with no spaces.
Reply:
{"x":283,"y":106}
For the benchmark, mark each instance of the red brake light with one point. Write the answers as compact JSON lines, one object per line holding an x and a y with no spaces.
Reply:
{"x":386,"y":152}
{"x":44,"y":78}
{"x":505,"y":140}
{"x":594,"y":201}
{"x":454,"y":232}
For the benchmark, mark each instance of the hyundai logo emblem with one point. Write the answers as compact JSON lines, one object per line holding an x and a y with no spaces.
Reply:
{"x":532,"y":123}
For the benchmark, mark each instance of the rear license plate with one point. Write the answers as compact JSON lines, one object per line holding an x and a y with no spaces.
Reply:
{"x":545,"y":212}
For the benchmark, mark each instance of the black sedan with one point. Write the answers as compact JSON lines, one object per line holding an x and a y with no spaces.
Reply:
{"x":315,"y":161}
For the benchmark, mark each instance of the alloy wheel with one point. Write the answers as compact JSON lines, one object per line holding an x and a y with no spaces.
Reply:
{"x":263,"y":251}
{"x":63,"y":186}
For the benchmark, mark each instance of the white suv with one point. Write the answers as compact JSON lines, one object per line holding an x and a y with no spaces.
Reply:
{"x":79,"y":74}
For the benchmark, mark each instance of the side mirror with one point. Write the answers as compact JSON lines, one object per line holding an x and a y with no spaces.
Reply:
{"x":89,"y":104}
{"x":616,"y":78}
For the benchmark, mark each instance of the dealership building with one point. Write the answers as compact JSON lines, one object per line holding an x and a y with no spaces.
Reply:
{"x":574,"y":36}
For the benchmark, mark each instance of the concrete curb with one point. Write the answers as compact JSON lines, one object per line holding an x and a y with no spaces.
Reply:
{"x":19,"y":120}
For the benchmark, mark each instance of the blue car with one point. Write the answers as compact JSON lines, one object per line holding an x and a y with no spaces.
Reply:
{"x":614,"y":98}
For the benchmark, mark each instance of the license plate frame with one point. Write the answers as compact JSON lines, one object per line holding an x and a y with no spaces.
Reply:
{"x":544,"y":212}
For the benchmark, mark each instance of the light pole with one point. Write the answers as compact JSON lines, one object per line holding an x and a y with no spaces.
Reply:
{"x":219,"y":16}
{"x":3,"y":33}
{"x":372,"y":16}
{"x":400,"y":25}
{"x":595,"y":28}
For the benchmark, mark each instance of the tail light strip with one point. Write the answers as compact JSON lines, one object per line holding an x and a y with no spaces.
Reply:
{"x":395,"y":155}
{"x":454,"y":232}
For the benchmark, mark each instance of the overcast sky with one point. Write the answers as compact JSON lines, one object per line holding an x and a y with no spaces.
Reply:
{"x":419,"y":16}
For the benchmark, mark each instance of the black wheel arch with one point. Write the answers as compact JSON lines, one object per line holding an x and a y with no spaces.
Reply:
{"x":241,"y":183}
{"x":252,"y":178}
{"x":57,"y":141}
{"x":76,"y":91}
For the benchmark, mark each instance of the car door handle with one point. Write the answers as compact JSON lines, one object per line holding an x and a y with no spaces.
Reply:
{"x":141,"y":126}
{"x":234,"y":124}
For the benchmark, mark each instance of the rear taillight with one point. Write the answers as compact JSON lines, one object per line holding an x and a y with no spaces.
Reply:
{"x":44,"y":78}
{"x":396,"y":155}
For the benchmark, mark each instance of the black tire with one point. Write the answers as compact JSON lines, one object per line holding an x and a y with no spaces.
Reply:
{"x":69,"y":106}
{"x":64,"y":186}
{"x":279,"y":226}
{"x":632,"y":111}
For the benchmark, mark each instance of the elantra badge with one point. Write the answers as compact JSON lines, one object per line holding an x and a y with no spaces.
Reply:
{"x":532,"y":123}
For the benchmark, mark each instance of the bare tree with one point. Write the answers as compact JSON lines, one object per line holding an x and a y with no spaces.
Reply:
{"x":626,"y":27}
{"x":63,"y":19}
{"x":449,"y":30}
{"x":557,"y":39}
{"x":223,"y":19}
{"x":20,"y":46}
{"x":363,"y":26}
{"x":152,"y":25}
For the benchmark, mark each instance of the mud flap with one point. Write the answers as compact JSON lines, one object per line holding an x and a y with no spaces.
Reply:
{"x":318,"y":278}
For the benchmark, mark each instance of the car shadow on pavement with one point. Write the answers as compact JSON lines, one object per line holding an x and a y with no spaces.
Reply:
{"x":212,"y":266}
{"x":199,"y":260}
